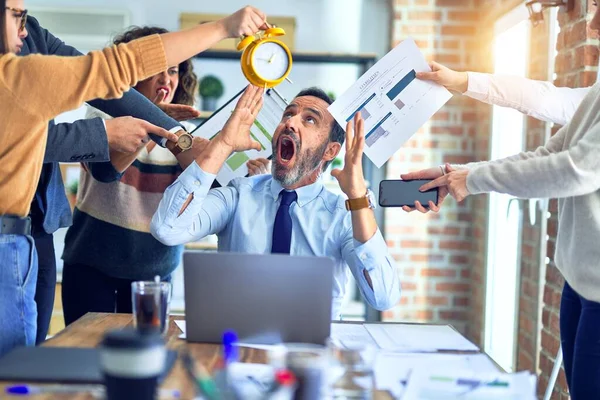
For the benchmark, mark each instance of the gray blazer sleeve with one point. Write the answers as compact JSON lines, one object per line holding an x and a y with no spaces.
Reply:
{"x":83,"y":140}
{"x":131,"y":104}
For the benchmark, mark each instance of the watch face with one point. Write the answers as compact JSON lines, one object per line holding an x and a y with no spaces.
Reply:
{"x":371,"y":198}
{"x":270,"y":61}
{"x":185,"y":141}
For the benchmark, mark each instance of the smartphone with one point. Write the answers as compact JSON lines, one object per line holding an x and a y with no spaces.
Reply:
{"x":399,"y":193}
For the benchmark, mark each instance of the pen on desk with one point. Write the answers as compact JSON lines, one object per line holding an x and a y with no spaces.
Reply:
{"x":27,"y":390}
{"x":201,"y":378}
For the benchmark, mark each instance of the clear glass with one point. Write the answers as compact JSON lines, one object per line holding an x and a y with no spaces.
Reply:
{"x":308,"y":363}
{"x":350,"y":372}
{"x":150,"y":302}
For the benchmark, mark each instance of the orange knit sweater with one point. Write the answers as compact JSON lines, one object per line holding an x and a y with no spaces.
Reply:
{"x":34,"y":89}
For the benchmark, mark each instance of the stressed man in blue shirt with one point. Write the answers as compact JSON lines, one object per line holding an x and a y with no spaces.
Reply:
{"x":289,"y":211}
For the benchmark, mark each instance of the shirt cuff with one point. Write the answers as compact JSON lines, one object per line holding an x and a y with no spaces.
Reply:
{"x":195,"y":180}
{"x":370,"y":251}
{"x":478,"y":85}
{"x":474,"y":179}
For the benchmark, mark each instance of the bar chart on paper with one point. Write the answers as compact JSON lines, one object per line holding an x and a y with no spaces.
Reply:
{"x":392,"y":101}
{"x":262,"y":131}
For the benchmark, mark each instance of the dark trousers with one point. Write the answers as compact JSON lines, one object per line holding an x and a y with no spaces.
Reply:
{"x":580,"y":339}
{"x":46,"y":283}
{"x":86,"y":289}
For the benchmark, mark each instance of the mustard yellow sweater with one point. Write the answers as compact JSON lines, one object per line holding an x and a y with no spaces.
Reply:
{"x":34,"y":89}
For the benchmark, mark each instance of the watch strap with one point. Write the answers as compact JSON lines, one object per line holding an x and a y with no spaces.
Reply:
{"x":358,"y":204}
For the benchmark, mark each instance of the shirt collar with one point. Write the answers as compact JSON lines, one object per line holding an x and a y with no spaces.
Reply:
{"x":306,"y":194}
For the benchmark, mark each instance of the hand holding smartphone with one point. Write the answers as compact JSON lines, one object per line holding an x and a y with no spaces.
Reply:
{"x":399,"y":193}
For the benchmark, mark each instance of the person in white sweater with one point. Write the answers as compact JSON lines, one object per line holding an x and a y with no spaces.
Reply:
{"x":567,"y":168}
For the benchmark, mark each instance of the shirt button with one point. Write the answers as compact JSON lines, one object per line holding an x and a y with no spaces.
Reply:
{"x":363,"y":257}
{"x":197,"y":183}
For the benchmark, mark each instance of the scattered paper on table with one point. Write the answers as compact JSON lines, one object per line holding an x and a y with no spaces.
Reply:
{"x":444,"y":383}
{"x":262,"y":131}
{"x":345,"y":335}
{"x":418,"y":338}
{"x":393,"y":370}
{"x":394,"y":104}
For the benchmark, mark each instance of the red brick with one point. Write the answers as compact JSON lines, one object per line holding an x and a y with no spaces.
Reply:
{"x":409,"y":286}
{"x":443,"y":231}
{"x":464,"y":15}
{"x":455,"y":245}
{"x":431,"y":300}
{"x":424,"y":315}
{"x":459,"y":259}
{"x":421,"y":16}
{"x":458,"y":30}
{"x":449,"y":273}
{"x":452,"y":287}
{"x":453,"y":315}
{"x":550,"y":343}
{"x":461,"y":301}
{"x":447,"y":130}
{"x":426,"y":257}
{"x":416,"y":244}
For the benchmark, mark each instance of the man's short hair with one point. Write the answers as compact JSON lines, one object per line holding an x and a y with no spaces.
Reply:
{"x":337,"y":133}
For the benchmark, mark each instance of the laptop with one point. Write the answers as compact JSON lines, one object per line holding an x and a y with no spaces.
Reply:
{"x":264,"y":298}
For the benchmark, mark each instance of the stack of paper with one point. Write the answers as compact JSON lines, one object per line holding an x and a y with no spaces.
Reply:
{"x":406,"y":338}
{"x":393,"y":370}
{"x":427,"y":384}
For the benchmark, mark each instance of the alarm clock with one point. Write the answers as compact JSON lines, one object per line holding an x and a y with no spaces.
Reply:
{"x":266,"y":61}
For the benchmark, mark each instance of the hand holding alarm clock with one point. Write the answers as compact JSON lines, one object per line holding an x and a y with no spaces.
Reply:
{"x":266,"y":61}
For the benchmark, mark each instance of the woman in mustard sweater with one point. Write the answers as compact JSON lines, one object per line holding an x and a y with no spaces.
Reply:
{"x":35,"y":89}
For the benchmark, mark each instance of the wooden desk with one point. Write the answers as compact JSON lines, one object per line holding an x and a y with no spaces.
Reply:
{"x":89,"y":330}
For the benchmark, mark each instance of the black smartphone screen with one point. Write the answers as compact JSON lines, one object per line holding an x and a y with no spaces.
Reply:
{"x":398,"y":193}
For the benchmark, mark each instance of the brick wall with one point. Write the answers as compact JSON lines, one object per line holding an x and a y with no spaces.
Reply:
{"x":576,"y":66}
{"x":442,"y":257}
{"x":433,"y":251}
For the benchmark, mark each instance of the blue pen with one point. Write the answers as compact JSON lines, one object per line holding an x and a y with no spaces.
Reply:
{"x":230,"y":349}
{"x":28,"y":390}
{"x":230,"y":354}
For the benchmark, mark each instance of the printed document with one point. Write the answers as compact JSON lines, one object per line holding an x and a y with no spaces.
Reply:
{"x":262,"y":131}
{"x":393,"y":103}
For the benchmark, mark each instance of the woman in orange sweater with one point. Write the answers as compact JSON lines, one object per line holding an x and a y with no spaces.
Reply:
{"x":35,"y":89}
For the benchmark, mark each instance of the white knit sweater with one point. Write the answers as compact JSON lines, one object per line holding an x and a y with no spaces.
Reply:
{"x":567,"y":168}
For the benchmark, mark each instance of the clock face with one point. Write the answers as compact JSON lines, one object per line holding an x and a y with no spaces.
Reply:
{"x":270,"y":61}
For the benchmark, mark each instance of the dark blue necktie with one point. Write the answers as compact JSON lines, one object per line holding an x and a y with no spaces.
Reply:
{"x":282,"y":229}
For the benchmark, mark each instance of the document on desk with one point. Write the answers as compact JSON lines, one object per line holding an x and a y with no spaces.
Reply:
{"x":262,"y":131}
{"x":344,"y":335}
{"x":418,"y":338}
{"x":394,"y":104}
{"x":434,"y":384}
{"x":393,"y":370}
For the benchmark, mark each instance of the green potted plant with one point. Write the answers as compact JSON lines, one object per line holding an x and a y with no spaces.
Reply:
{"x":331,"y":95}
{"x":211,"y":88}
{"x":72,"y":193}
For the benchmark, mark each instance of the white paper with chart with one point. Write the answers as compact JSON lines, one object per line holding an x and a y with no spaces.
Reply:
{"x":262,"y":131}
{"x":393,"y":103}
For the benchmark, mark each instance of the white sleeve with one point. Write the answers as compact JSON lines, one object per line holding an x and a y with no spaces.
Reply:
{"x":538,"y":99}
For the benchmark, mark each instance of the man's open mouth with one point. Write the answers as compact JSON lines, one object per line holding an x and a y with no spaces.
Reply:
{"x":287,"y":149}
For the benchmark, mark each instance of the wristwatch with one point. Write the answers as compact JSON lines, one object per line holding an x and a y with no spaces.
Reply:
{"x":184,"y":142}
{"x":367,"y":201}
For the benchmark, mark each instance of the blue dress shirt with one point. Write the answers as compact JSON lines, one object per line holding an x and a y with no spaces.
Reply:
{"x":243,"y":213}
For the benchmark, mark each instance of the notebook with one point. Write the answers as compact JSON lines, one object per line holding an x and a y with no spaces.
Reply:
{"x":59,"y":364}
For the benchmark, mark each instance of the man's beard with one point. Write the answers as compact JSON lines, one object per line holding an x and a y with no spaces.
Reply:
{"x":305,"y":164}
